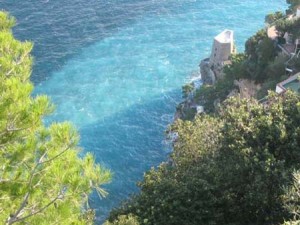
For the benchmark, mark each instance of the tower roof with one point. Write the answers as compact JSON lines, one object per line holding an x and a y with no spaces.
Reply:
{"x":225,"y":36}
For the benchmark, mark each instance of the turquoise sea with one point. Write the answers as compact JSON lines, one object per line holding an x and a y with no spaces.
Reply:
{"x":115,"y":69}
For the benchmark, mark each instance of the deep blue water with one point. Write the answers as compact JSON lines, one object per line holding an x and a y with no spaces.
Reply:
{"x":115,"y":69}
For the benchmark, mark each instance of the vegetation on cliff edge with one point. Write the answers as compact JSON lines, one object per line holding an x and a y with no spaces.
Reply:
{"x":225,"y":169}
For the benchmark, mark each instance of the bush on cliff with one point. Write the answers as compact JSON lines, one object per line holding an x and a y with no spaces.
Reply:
{"x":293,"y":4}
{"x":124,"y":220}
{"x":290,"y":26}
{"x":273,"y":17}
{"x":225,"y":169}
{"x":291,"y":199}
{"x":260,"y":51}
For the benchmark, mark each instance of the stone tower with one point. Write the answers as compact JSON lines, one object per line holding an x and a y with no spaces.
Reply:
{"x":223,"y":47}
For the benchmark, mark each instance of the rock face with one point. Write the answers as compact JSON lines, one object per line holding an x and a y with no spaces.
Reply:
{"x":189,"y":107}
{"x":247,"y":88}
{"x":207,"y":75}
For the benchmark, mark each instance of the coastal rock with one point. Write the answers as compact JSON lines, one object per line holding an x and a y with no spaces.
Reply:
{"x":247,"y":88}
{"x":207,"y":75}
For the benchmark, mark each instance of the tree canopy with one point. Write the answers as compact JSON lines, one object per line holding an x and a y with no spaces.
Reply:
{"x":43,"y":180}
{"x":273,"y":17}
{"x":291,"y":199}
{"x":225,"y":169}
{"x":293,"y":3}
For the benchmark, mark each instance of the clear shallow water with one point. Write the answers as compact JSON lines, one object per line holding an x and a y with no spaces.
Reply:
{"x":115,"y":69}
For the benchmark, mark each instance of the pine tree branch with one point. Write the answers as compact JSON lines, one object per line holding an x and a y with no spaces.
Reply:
{"x":4,"y":180}
{"x":58,"y":155}
{"x":15,"y":219}
{"x":19,"y":62}
{"x":24,"y":202}
{"x":11,"y":128}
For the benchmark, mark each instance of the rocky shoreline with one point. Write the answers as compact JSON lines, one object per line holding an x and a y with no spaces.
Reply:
{"x":188,"y":105}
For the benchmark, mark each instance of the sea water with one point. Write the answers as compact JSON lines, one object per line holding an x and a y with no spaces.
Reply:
{"x":115,"y":69}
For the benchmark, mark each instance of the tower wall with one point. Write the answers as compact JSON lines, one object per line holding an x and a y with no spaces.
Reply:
{"x":223,"y":47}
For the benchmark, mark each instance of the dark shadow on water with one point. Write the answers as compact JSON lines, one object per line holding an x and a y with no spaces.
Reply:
{"x":60,"y":29}
{"x":129,"y":143}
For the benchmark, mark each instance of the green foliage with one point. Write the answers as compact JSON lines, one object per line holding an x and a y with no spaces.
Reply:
{"x":187,"y":90}
{"x":296,"y":63}
{"x":275,"y":73}
{"x":266,"y":51}
{"x":206,"y":95}
{"x":252,"y":43}
{"x":237,"y":69}
{"x":227,"y":169}
{"x":276,"y":69}
{"x":273,"y":17}
{"x":42,"y":178}
{"x":291,"y":200}
{"x":283,"y":25}
{"x":266,"y":87}
{"x":290,"y":26}
{"x":260,"y":51}
{"x":188,"y":113}
{"x":124,"y":220}
{"x":6,"y":21}
{"x":293,"y":3}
